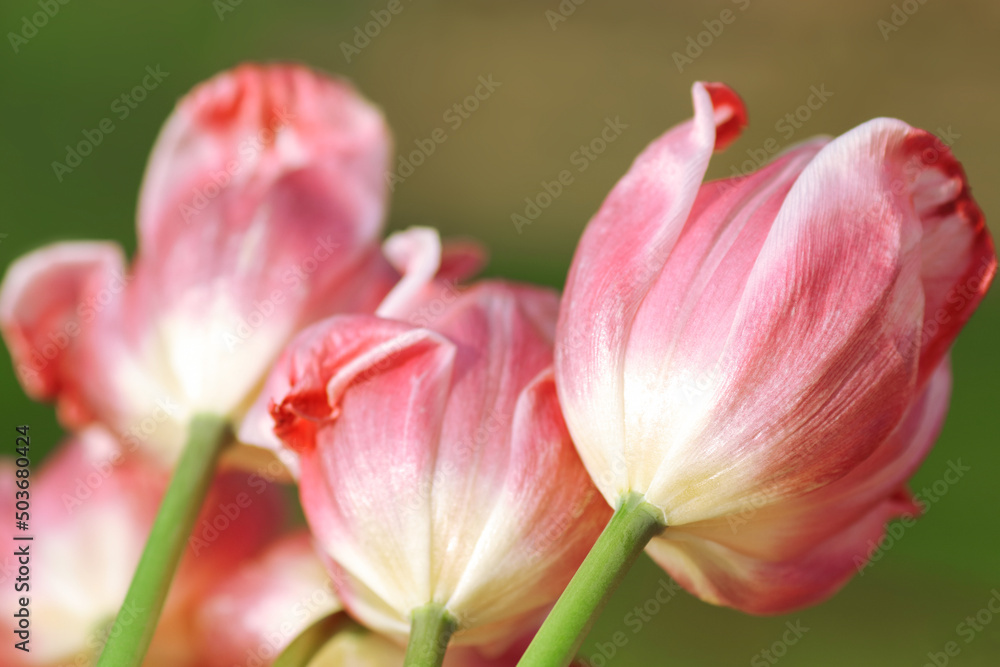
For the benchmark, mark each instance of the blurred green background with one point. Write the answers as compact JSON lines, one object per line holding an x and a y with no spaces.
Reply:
{"x":933,"y":64}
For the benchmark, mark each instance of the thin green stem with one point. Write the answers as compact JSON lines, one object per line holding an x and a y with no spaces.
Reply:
{"x":130,"y":638}
{"x":633,"y":525}
{"x":432,"y":628}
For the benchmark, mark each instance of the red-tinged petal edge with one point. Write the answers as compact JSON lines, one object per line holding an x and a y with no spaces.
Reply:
{"x":327,"y":358}
{"x":47,"y":299}
{"x":958,"y":257}
{"x":730,"y":114}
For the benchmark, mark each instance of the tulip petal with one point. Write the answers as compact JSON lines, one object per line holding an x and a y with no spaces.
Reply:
{"x":257,"y":426}
{"x":616,"y":263}
{"x":266,"y":603}
{"x":49,"y":297}
{"x":368,"y":491}
{"x":246,"y":130}
{"x":821,"y":334}
{"x":681,"y":327}
{"x":416,"y":255}
{"x":767,"y":530}
{"x":429,"y":270}
{"x":535,"y":524}
{"x":958,"y":259}
{"x":723,"y":576}
{"x":501,"y":347}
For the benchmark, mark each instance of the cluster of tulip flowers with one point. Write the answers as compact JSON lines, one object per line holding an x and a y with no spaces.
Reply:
{"x":478,"y":463}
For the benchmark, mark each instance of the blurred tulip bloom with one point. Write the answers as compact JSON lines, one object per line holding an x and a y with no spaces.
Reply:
{"x":435,"y":464}
{"x":254,"y":613}
{"x":260,"y":213}
{"x":776,"y":341}
{"x":91,"y":511}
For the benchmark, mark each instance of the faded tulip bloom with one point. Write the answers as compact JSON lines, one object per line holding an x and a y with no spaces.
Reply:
{"x":435,"y":467}
{"x":764,"y":358}
{"x":260,"y":212}
{"x":91,"y":511}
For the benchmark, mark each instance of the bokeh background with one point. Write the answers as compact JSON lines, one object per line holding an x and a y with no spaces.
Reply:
{"x":563,"y":71}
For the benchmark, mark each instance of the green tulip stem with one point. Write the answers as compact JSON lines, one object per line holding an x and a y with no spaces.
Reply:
{"x":633,"y":525}
{"x":432,"y":628}
{"x":133,"y":632}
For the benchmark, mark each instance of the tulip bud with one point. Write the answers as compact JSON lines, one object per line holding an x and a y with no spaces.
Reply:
{"x":434,"y":464}
{"x":739,"y":352}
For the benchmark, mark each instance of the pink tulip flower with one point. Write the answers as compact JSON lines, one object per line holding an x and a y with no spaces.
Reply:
{"x":764,"y":358}
{"x":434,"y":464}
{"x":260,"y":213}
{"x":91,"y":509}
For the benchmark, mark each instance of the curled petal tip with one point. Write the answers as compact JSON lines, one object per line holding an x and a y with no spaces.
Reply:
{"x":730,"y":113}
{"x":291,"y":425}
{"x":958,"y":259}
